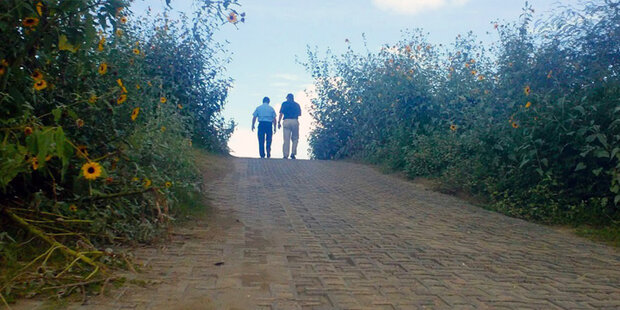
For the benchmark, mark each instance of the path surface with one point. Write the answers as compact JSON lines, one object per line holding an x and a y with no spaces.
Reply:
{"x":333,"y":235}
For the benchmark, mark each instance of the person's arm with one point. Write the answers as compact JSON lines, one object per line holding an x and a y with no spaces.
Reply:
{"x":253,"y":122}
{"x":298,"y":110}
{"x":274,"y":124}
{"x":280,"y":120}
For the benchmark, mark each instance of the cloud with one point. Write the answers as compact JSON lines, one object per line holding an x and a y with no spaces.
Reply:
{"x":412,"y":7}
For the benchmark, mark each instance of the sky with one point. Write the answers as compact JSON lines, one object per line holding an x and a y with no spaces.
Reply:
{"x":267,"y":48}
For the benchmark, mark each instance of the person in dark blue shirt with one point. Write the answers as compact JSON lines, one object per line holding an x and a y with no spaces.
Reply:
{"x":290,"y":111}
{"x":266,"y":116}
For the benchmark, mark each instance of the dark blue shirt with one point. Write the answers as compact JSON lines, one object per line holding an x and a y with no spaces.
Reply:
{"x":291,"y":110}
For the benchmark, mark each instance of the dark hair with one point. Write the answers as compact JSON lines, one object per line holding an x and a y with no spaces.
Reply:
{"x":290,"y":96}
{"x":266,"y":99}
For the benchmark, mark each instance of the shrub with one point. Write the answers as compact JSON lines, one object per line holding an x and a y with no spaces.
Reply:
{"x":530,"y":123}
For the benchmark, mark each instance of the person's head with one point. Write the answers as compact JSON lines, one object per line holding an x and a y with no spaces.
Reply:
{"x":266,"y":100}
{"x":290,"y":97}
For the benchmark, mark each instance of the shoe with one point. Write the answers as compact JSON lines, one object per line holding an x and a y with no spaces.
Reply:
{"x":285,"y":157}
{"x":268,"y":156}
{"x":292,"y":156}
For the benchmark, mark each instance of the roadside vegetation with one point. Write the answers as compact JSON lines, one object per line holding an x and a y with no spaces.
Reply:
{"x":529,"y":124}
{"x":100,"y":111}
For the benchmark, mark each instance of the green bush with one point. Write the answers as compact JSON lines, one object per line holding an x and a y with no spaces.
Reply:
{"x":531,"y":123}
{"x":98,"y":113}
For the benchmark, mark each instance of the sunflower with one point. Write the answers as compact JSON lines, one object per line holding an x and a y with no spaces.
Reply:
{"x":82,"y":151}
{"x":480,"y":77}
{"x":453,"y":127}
{"x":48,"y":157}
{"x":123,"y":19}
{"x":40,"y":8}
{"x":163,"y":128}
{"x":30,"y":22}
{"x":35,"y":163}
{"x":103,"y":68}
{"x":101,"y":44}
{"x":28,"y":130}
{"x":122,"y":98}
{"x":163,"y":99}
{"x":147,"y":183}
{"x":549,"y":75}
{"x":40,"y":85}
{"x":527,"y":90}
{"x":73,"y":208}
{"x":119,"y":82}
{"x":168,"y":184}
{"x":138,"y":86}
{"x":474,"y":72}
{"x":149,"y":83}
{"x":91,"y":170}
{"x":232,"y":18}
{"x":79,"y":122}
{"x":135,"y":179}
{"x":528,"y":104}
{"x":119,"y":32}
{"x":134,"y":113}
{"x":466,"y":65}
{"x":3,"y":66}
{"x":515,"y":125}
{"x":37,"y":75}
{"x":92,"y":99}
{"x":179,"y":106}
{"x":136,"y":51}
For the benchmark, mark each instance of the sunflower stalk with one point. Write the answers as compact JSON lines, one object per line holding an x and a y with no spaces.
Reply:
{"x":63,"y":248}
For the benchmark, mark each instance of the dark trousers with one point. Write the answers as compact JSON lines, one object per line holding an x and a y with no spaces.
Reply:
{"x":265,"y":133}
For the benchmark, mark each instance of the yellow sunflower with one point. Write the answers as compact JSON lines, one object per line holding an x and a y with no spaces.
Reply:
{"x":473,"y":72}
{"x":40,"y":85}
{"x":73,"y":208}
{"x":515,"y":125}
{"x":40,"y":8}
{"x":163,"y":99}
{"x":168,"y":184}
{"x":103,"y":68}
{"x":480,"y":77}
{"x":122,"y":98}
{"x":3,"y":66}
{"x":92,"y":99}
{"x":101,"y":44}
{"x":28,"y":130}
{"x":91,"y":170}
{"x":527,"y":90}
{"x":119,"y":32}
{"x":136,"y":51}
{"x":135,"y":179}
{"x":134,"y":113}
{"x":37,"y":75}
{"x":232,"y":18}
{"x":550,"y":74}
{"x":147,"y":183}
{"x":79,"y":122}
{"x":179,"y":106}
{"x":30,"y":22}
{"x":123,"y":19}
{"x":163,"y":128}
{"x":453,"y":127}
{"x":119,"y":82}
{"x":35,"y":163}
{"x":528,"y":104}
{"x":138,"y":86}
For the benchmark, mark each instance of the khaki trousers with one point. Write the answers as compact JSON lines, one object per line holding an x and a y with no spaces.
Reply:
{"x":290,"y":128}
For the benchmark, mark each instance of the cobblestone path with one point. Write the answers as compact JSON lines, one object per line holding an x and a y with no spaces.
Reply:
{"x":334,"y":235}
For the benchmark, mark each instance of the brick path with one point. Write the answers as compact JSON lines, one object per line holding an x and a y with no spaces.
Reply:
{"x":334,"y":235}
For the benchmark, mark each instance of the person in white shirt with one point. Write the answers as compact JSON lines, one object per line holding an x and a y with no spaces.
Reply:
{"x":266,"y":116}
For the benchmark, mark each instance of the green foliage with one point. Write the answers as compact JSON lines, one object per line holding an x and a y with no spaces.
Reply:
{"x":530,"y":123}
{"x":98,"y":111}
